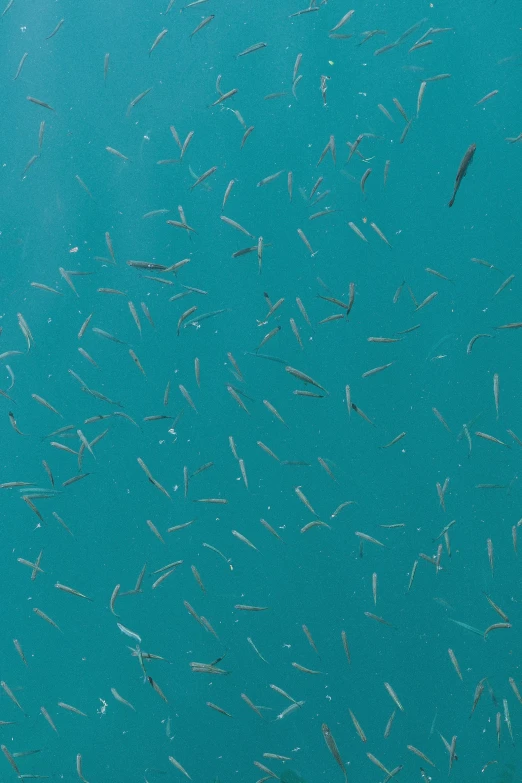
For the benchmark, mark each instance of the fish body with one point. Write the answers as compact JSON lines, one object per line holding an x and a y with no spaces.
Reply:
{"x":463,"y":168}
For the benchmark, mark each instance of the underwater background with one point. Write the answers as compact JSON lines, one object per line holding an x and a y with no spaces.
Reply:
{"x":364,"y":493}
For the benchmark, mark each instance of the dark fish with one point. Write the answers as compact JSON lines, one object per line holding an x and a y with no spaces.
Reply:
{"x":461,"y":173}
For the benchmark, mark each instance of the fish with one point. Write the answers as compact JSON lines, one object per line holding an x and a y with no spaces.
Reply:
{"x":332,"y":747}
{"x":462,"y":170}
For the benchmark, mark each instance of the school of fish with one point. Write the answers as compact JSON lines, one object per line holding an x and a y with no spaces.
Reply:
{"x":216,"y":495}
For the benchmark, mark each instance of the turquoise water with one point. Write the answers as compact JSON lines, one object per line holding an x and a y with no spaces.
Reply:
{"x":80,"y":209}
